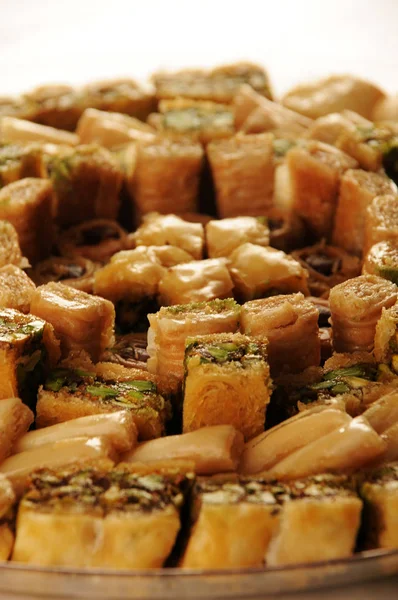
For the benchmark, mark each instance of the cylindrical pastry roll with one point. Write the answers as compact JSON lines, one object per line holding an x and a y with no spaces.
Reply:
{"x":76,"y":272}
{"x":224,"y":235}
{"x":356,"y":306}
{"x":20,"y":131}
{"x":87,"y":182}
{"x":258,"y":272}
{"x":381,"y":221}
{"x":357,"y":190}
{"x":213,"y":450}
{"x":118,"y":427}
{"x":243,"y":172}
{"x":10,"y":251}
{"x":315,"y":170}
{"x":166,"y":175}
{"x":111,"y":129}
{"x":96,"y":240}
{"x":290,"y":323}
{"x":345,"y":449}
{"x":334,"y":94}
{"x":327,"y":266}
{"x":270,"y":447}
{"x":28,"y":205}
{"x":170,"y":327}
{"x":196,"y":281}
{"x":124,"y":96}
{"x":382,"y":260}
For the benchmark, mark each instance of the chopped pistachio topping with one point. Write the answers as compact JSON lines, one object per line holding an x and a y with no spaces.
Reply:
{"x":222,"y":352}
{"x":212,"y":306}
{"x":196,"y":118}
{"x":14,"y":327}
{"x":117,"y":489}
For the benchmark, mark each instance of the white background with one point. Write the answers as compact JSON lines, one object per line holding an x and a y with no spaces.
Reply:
{"x":75,"y":41}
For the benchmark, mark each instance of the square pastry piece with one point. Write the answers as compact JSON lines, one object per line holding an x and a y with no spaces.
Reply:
{"x":27,"y":348}
{"x":80,"y":321}
{"x":71,"y":393}
{"x":227,"y":382}
{"x":99,"y":517}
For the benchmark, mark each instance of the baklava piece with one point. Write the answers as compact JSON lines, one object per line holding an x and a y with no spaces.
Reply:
{"x":118,"y":427}
{"x":130,"y":280}
{"x":72,"y":393}
{"x":81,"y":321}
{"x":382,"y":260}
{"x":225,"y":235}
{"x":99,"y":517}
{"x":356,"y":306}
{"x":124,"y":96}
{"x":233,"y":523}
{"x":259,"y":271}
{"x":380,"y":496}
{"x":243,"y":173}
{"x":87,"y":182}
{"x":226,"y":382}
{"x":165,"y":175}
{"x":196,"y":281}
{"x":160,"y":230}
{"x":16,"y":289}
{"x":320,"y":521}
{"x":20,"y":131}
{"x":54,"y":105}
{"x":357,"y":190}
{"x":334,"y":94}
{"x":20,"y":161}
{"x":10,"y":251}
{"x":315,"y":170}
{"x":290,"y":324}
{"x":28,"y":204}
{"x":381,"y":221}
{"x":28,"y":349}
{"x":215,"y":449}
{"x":110,"y":129}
